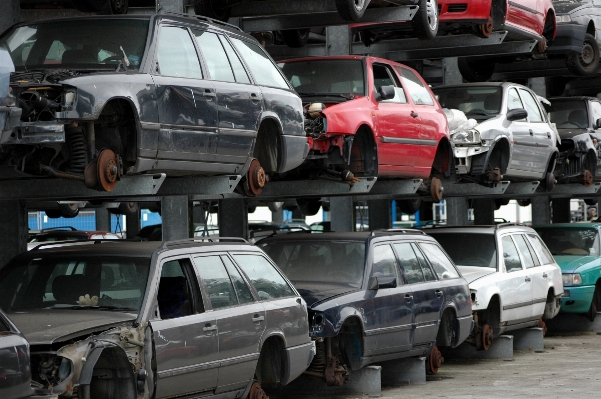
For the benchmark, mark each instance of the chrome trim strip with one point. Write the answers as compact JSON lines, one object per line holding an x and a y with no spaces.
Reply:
{"x":239,"y":359}
{"x":150,"y":126}
{"x":188,"y":369}
{"x":386,"y":330}
{"x":398,"y":140}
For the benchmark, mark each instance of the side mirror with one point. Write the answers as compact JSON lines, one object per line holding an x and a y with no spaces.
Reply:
{"x":517,"y":114}
{"x":386,"y":93}
{"x":598,"y":124}
{"x":375,"y":283}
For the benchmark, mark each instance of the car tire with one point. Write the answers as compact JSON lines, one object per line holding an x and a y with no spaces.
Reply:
{"x":351,"y":10}
{"x":410,"y":206}
{"x":295,"y":38}
{"x":586,"y":62}
{"x":129,"y":208}
{"x":590,"y":201}
{"x":550,"y":181}
{"x":475,"y":70}
{"x":308,"y":206}
{"x":425,"y":21}
{"x":68,"y":210}
{"x":212,"y":9}
{"x":524,"y":202}
{"x":592,"y":312}
{"x":53,"y":213}
{"x":499,"y":202}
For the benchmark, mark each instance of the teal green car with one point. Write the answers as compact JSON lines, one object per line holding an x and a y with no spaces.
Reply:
{"x":576,"y":249}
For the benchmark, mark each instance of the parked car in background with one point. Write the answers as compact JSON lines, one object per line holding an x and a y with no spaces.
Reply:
{"x":15,"y":370}
{"x":512,"y":139}
{"x":514,"y":281}
{"x":374,"y":296}
{"x":156,"y":319}
{"x":67,"y":233}
{"x":575,"y":247}
{"x":578,"y":122}
{"x":97,"y":97}
{"x":372,"y":117}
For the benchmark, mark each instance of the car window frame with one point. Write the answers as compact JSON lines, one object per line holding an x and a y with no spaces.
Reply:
{"x":528,"y":234}
{"x":416,"y":247}
{"x":196,"y":307}
{"x":419,"y":242}
{"x":536,"y":102}
{"x":400,"y":265}
{"x":155,"y":58}
{"x":510,"y":235}
{"x":245,"y":278}
{"x":507,"y":101}
{"x":395,"y":80}
{"x":203,"y":284}
{"x":400,"y":281}
{"x":399,"y":71}
{"x":524,"y":266}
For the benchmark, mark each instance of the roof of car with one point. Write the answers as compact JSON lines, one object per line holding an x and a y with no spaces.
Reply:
{"x":344,"y":57}
{"x":481,"y":229}
{"x":595,"y":225}
{"x":476,"y":84}
{"x":344,"y":236}
{"x":574,"y":98}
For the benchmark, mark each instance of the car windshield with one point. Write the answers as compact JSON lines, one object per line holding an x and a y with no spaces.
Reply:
{"x":469,"y":249}
{"x":332,"y":262}
{"x":569,"y":114}
{"x":337,"y":77}
{"x":80,"y":44}
{"x":476,"y":102}
{"x":74,"y":282}
{"x":570,"y":241}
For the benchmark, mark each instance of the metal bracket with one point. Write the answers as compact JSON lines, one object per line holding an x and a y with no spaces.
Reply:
{"x":474,"y":190}
{"x":385,"y":189}
{"x":200,"y":187}
{"x":570,"y":190}
{"x":526,"y":189}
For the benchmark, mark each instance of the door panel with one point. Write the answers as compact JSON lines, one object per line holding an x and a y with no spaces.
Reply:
{"x":543,"y":136}
{"x":525,"y":13}
{"x":524,"y":141}
{"x":516,"y":288}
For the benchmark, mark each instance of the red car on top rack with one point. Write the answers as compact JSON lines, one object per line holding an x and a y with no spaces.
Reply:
{"x":372,"y":116}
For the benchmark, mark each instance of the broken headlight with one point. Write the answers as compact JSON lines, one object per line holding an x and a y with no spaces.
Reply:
{"x":49,"y":369}
{"x":317,"y":323}
{"x":467,"y":137}
{"x":571,"y":279}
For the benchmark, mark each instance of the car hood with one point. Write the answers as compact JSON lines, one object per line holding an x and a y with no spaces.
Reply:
{"x":472,"y":273}
{"x":569,"y":133}
{"x":489,"y":128}
{"x":313,"y":293}
{"x":47,"y":326}
{"x":571,"y":263}
{"x":566,"y":7}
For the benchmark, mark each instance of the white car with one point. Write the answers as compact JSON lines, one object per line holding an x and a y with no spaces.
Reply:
{"x":514,"y":280}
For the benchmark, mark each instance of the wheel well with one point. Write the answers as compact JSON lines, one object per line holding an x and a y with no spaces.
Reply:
{"x":447,"y":330}
{"x":550,"y":26}
{"x":116,"y":129}
{"x":350,"y":342}
{"x":271,"y":365}
{"x":591,"y":162}
{"x":494,"y":312}
{"x":500,"y":154}
{"x":590,"y":29}
{"x":268,"y":145}
{"x":363,"y":159}
{"x":112,"y":376}
{"x":551,"y":295}
{"x":551,"y":164}
{"x":442,"y":158}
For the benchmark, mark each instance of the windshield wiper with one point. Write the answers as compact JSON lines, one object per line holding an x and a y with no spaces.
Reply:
{"x":347,"y":96}
{"x":87,"y":307}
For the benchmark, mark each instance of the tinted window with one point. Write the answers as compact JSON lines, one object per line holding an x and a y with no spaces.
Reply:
{"x":263,"y":276}
{"x":570,"y":241}
{"x":469,"y":249}
{"x":568,"y":114}
{"x":510,"y":255}
{"x":177,"y":290}
{"x":418,"y":92}
{"x":479,"y":102}
{"x":262,"y":68}
{"x":409,"y":263}
{"x":513,"y":100}
{"x":384,"y":264}
{"x":176,"y":54}
{"x":239,"y":71}
{"x":217,"y":281}
{"x":325,"y":76}
{"x":524,"y":250}
{"x":439,"y":261}
{"x":428,"y":273}
{"x":215,"y":57}
{"x":534,"y":114}
{"x":242,"y":290}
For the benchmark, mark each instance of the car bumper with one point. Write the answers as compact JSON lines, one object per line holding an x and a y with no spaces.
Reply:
{"x":577,"y":299}
{"x":569,"y":39}
{"x":295,"y":150}
{"x":475,"y":12}
{"x":465,"y":325}
{"x":298,"y":359}
{"x":463,"y":156}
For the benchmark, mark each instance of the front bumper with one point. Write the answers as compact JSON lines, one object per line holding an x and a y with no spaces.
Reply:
{"x":465,"y":325}
{"x":463,"y":157}
{"x":569,"y":39}
{"x":577,"y":299}
{"x":294,"y":151}
{"x":298,"y":359}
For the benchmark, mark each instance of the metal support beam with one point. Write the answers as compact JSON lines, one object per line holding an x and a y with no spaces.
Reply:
{"x":517,"y":189}
{"x":474,"y":190}
{"x":451,"y":74}
{"x":342,"y":210}
{"x":277,"y":217}
{"x":176,"y":213}
{"x":456,"y":211}
{"x":380,"y":214}
{"x":13,"y":230}
{"x":172,"y":5}
{"x":541,"y":211}
{"x":103,"y":219}
{"x":561,"y":210}
{"x":133,"y":224}
{"x":484,"y":211}
{"x":10,"y":15}
{"x":572,"y":190}
{"x":233,"y":218}
{"x":392,"y":189}
{"x":338,"y":40}
{"x":314,"y":188}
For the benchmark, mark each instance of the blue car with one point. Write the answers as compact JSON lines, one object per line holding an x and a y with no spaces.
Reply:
{"x":373,"y":297}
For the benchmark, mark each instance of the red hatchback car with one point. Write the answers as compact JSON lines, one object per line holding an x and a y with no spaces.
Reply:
{"x":370,"y":115}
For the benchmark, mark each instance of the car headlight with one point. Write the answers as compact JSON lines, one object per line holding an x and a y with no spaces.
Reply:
{"x":571,"y":279}
{"x":467,"y":137}
{"x":563,"y":18}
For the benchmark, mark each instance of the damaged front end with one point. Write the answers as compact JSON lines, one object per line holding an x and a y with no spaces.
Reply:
{"x":577,"y":160}
{"x":115,"y":364}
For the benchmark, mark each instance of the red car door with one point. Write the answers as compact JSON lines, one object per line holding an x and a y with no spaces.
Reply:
{"x":527,"y":14}
{"x":397,"y":128}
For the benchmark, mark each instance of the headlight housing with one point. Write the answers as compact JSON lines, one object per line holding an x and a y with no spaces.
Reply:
{"x":467,"y":137}
{"x":563,"y":18}
{"x":571,"y":279}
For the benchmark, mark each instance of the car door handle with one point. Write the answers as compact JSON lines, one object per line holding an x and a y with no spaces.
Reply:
{"x":254,"y":97}
{"x":209,"y":93}
{"x":208,"y":327}
{"x":527,"y":279}
{"x":438,"y":293}
{"x":531,"y":132}
{"x":408,"y":297}
{"x":414,"y":114}
{"x":258,"y":318}
{"x":545,"y":275}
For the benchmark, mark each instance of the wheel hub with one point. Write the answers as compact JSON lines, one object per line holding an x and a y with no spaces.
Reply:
{"x":432,"y":13}
{"x":104,"y":172}
{"x":587,"y":55}
{"x":487,"y":336}
{"x":256,"y":178}
{"x":586,"y":178}
{"x":542,"y":45}
{"x":435,"y":360}
{"x":543,"y":325}
{"x":487,"y":28}
{"x":256,"y":392}
{"x":436,"y":189}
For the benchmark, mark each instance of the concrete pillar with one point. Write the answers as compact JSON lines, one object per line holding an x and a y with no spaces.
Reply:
{"x":172,"y":5}
{"x":541,"y":211}
{"x":338,"y":40}
{"x":10,"y":14}
{"x":380,"y":214}
{"x":450,"y":72}
{"x":297,"y":214}
{"x":561,"y":210}
{"x":342,"y":211}
{"x":538,"y":86}
{"x":425,"y":212}
{"x":13,"y":229}
{"x":233,"y":218}
{"x":456,"y":211}
{"x":176,"y":214}
{"x":484,"y":211}
{"x":103,"y":219}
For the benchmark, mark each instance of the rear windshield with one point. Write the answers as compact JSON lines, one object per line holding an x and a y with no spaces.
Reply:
{"x":469,"y":249}
{"x":571,"y":241}
{"x":569,"y":114}
{"x":475,"y":101}
{"x":79,"y":44}
{"x":74,"y":282}
{"x":327,"y":76}
{"x":332,"y":262}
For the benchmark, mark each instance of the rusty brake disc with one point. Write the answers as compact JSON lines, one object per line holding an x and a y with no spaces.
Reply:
{"x":435,"y":360}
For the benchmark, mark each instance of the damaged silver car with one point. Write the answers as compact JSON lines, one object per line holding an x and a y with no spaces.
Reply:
{"x":155,"y":320}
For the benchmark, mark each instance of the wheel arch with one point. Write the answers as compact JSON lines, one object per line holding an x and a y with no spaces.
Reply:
{"x":444,"y":155}
{"x":268,"y":146}
{"x":131,"y":107}
{"x":550,"y":26}
{"x":116,"y":359}
{"x":498,"y":13}
{"x":551,"y":162}
{"x":448,"y":312}
{"x":590,"y":28}
{"x":271,"y":364}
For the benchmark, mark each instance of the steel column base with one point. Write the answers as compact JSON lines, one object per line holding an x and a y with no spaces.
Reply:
{"x":501,"y":348}
{"x":410,"y":371}
{"x":528,"y":339}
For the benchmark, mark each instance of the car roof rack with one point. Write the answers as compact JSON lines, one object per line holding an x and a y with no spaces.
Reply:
{"x":509,"y":224}
{"x":71,"y":242}
{"x":199,"y":240}
{"x":276,"y":230}
{"x":200,"y":18}
{"x":396,"y":231}
{"x":70,"y":228}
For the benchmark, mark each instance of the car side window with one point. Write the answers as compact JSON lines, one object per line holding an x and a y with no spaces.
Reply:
{"x":513,"y":100}
{"x":418,"y":92}
{"x":268,"y":282}
{"x":216,"y":280}
{"x":242,"y":289}
{"x":384,"y":263}
{"x":524,"y":250}
{"x":215,"y":57}
{"x":510,"y":255}
{"x":383,"y":76}
{"x":541,"y":249}
{"x":178,"y":294}
{"x":409,"y":263}
{"x":263,"y":69}
{"x":178,"y":60}
{"x":239,"y":71}
{"x":428,"y":273}
{"x":440,"y":262}
{"x":596,"y":107}
{"x":532,"y":107}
